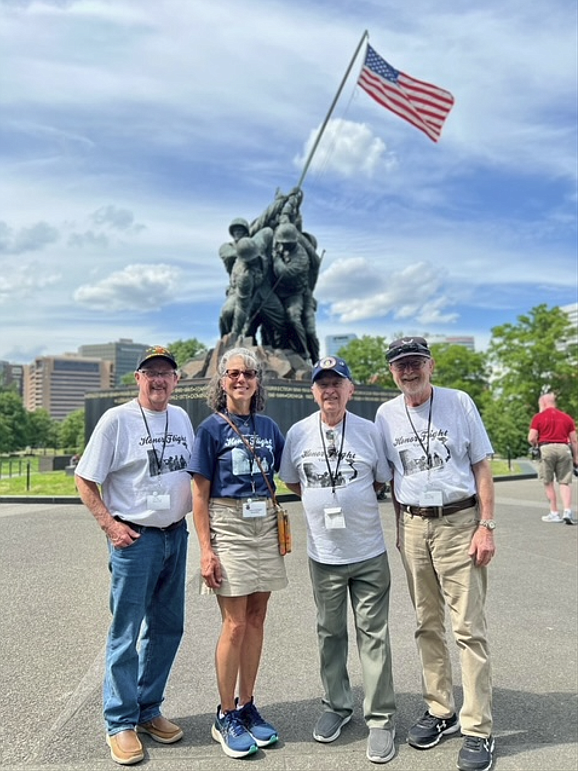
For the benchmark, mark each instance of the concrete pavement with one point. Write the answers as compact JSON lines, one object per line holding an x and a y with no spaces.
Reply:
{"x":55,"y":616}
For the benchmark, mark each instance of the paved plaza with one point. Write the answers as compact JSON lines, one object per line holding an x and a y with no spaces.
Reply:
{"x":55,"y":617}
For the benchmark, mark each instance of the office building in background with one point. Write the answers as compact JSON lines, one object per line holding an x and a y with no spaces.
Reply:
{"x":58,"y":384}
{"x":123,"y":354}
{"x":334,"y":342}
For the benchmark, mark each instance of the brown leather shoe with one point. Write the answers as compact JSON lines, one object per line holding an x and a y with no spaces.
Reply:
{"x":161,"y":730}
{"x":125,"y":748}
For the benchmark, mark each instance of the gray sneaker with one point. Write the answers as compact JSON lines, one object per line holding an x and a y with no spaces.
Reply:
{"x":329,"y":726}
{"x":568,"y":518}
{"x":380,"y":746}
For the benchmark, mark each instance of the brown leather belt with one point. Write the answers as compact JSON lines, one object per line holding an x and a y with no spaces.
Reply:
{"x":433,"y":512}
{"x":138,"y":526}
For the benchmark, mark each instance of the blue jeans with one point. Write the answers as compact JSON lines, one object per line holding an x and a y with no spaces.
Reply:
{"x":147,"y":602}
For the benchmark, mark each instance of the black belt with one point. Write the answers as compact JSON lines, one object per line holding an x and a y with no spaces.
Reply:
{"x":139,"y":526}
{"x":541,"y":444}
{"x":433,"y":512}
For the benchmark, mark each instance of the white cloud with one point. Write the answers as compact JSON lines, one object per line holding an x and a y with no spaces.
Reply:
{"x":348,"y":149}
{"x":26,"y":239}
{"x":141,"y":288}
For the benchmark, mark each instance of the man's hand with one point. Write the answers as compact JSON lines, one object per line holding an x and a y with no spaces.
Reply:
{"x":482,"y":547}
{"x":121,"y":535}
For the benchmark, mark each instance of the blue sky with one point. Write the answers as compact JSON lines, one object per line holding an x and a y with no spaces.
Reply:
{"x":134,"y":131}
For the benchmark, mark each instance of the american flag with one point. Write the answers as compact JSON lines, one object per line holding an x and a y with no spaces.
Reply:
{"x":422,"y":104}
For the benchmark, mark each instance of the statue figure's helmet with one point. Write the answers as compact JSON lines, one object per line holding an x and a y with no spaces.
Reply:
{"x":239,"y":222}
{"x":286,"y":234}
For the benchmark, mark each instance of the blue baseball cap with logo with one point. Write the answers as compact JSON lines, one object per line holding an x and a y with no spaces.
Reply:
{"x":331,"y":364}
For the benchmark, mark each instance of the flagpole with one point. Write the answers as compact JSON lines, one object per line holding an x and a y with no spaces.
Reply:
{"x":326,"y":121}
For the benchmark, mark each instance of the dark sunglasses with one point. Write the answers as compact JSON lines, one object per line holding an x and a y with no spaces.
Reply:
{"x":235,"y":374}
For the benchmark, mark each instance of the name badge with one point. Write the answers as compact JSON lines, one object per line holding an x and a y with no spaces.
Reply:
{"x":334,"y":519}
{"x":254,"y":509}
{"x":431,"y":498}
{"x":158,"y":501}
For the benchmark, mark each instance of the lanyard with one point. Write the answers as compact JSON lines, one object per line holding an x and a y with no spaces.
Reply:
{"x":252,"y":446}
{"x":332,"y":478}
{"x":424,"y":447}
{"x":158,"y":462}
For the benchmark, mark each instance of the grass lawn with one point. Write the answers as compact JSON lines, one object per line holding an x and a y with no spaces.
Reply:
{"x":57,"y":483}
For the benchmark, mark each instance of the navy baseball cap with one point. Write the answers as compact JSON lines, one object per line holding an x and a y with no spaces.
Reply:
{"x":407,"y":346}
{"x":331,"y":364}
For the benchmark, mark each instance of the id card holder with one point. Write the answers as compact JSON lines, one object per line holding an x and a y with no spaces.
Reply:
{"x":158,"y":501}
{"x":334,"y":519}
{"x":431,"y":498}
{"x":253,"y":509}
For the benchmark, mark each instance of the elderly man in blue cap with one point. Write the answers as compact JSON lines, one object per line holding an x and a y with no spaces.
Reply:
{"x":333,"y":460}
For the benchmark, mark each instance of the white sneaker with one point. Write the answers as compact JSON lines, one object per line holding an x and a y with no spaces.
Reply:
{"x":553,"y":516}
{"x":568,"y":518}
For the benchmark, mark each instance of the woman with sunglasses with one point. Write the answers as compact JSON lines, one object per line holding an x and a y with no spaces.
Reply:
{"x":236,"y":527}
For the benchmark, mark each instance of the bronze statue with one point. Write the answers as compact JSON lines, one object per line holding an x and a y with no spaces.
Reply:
{"x":273,"y":267}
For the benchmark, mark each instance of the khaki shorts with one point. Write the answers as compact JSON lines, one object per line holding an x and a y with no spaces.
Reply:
{"x":248,"y":549}
{"x":555,"y":464}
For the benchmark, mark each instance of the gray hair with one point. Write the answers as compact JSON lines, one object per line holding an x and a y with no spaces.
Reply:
{"x":216,"y":396}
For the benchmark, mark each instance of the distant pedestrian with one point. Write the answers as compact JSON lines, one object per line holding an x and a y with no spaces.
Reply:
{"x":132,"y":477}
{"x":333,"y":460}
{"x":554,"y":433}
{"x":443,"y":496}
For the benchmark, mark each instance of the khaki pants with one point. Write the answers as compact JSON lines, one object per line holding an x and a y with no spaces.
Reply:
{"x":439,"y":571}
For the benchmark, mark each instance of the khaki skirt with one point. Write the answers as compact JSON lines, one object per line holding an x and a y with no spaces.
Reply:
{"x":248,"y":548}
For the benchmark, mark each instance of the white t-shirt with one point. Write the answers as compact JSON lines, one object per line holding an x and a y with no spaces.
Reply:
{"x":457,"y":440}
{"x":133,"y":458}
{"x":337,"y":470}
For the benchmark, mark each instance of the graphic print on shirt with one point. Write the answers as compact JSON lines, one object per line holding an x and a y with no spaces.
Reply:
{"x":413,"y":456}
{"x":341,"y":469}
{"x":243,"y":462}
{"x":165,"y":457}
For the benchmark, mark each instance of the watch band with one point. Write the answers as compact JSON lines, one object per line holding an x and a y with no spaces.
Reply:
{"x":489,"y":524}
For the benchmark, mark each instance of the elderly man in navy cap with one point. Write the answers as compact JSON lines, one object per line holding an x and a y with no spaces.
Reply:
{"x":443,"y":496}
{"x":333,"y":460}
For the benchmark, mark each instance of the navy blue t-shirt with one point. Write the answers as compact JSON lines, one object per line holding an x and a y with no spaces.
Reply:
{"x":219,"y":454}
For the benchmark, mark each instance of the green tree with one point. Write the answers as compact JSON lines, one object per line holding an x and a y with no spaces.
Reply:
{"x":185,"y":350}
{"x":458,"y":367}
{"x":507,"y":420}
{"x":72,"y":432}
{"x":43,"y":431}
{"x":538,"y":354}
{"x":14,"y":423}
{"x":366,"y":360}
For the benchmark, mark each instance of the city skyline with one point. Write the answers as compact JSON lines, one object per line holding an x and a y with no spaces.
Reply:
{"x":134,"y":132}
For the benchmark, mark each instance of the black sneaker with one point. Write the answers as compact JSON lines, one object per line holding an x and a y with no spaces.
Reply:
{"x":428,"y":730}
{"x":476,"y":753}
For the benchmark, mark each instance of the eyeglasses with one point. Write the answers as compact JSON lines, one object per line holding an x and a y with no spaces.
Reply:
{"x":414,"y":364}
{"x":235,"y":374}
{"x":151,"y":374}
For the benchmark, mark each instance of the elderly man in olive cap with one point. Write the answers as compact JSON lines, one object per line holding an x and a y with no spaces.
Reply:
{"x":132,"y":477}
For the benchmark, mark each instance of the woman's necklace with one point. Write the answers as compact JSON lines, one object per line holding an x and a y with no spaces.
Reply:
{"x":242,"y":421}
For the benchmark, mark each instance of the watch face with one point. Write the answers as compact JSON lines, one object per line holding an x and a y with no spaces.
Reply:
{"x":489,"y":523}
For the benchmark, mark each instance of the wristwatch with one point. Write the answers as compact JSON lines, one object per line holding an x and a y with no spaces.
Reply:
{"x":487,"y":523}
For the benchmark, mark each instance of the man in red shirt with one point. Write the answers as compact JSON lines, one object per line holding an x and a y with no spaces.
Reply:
{"x":554,"y":432}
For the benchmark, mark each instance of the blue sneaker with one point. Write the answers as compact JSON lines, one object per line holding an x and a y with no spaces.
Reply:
{"x":262,"y":731}
{"x":235,"y":740}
